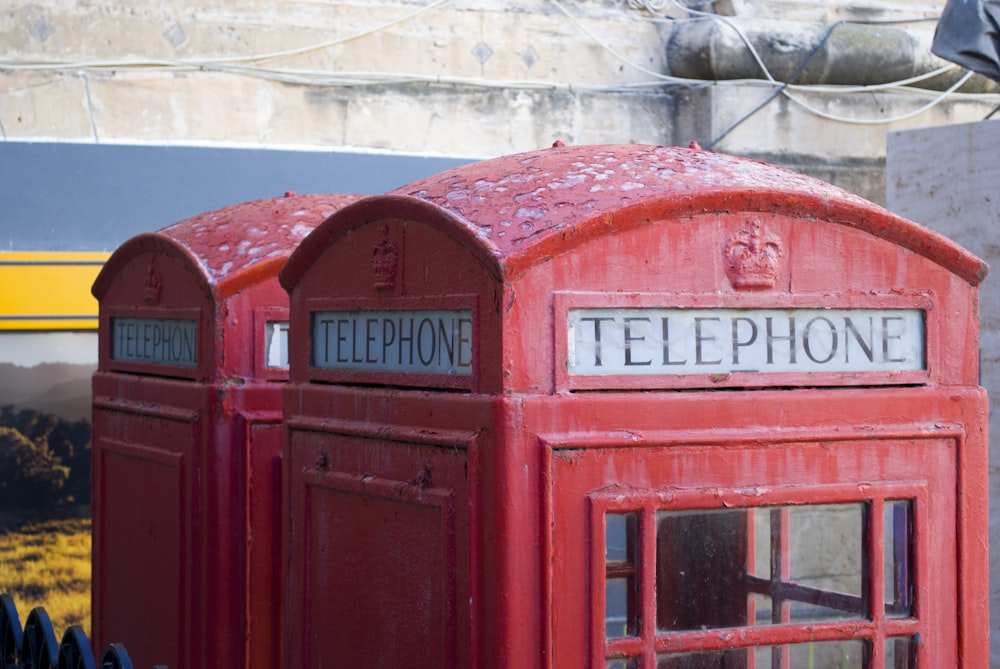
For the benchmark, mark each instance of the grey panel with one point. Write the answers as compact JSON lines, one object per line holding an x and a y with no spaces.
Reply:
{"x":92,"y":197}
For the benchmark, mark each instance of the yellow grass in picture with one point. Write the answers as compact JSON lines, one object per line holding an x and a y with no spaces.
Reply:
{"x":45,"y":561}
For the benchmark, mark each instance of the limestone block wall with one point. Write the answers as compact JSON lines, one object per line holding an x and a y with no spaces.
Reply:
{"x":946,"y":179}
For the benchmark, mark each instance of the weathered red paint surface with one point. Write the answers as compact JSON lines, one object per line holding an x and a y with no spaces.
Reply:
{"x":468,"y":499}
{"x":186,"y":457}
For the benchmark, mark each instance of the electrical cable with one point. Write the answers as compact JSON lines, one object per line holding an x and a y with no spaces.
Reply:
{"x":652,"y":6}
{"x":334,"y":42}
{"x":250,"y":66}
{"x":781,"y":89}
{"x":206,"y":62}
{"x":607,"y":47}
{"x":729,"y":22}
{"x":868,"y":88}
{"x":888,"y":119}
{"x":90,"y":109}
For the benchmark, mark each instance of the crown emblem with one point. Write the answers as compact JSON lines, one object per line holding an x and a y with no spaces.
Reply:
{"x":153,"y":287}
{"x":753,"y":257}
{"x":385,"y":261}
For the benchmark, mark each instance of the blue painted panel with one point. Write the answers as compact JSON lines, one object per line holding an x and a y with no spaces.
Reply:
{"x":92,"y":197}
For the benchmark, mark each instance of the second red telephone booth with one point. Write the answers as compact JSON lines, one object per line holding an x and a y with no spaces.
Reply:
{"x":187,"y":435}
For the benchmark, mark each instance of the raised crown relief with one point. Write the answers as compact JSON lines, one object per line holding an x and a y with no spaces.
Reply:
{"x":753,"y":257}
{"x":153,"y":288}
{"x":385,"y":262}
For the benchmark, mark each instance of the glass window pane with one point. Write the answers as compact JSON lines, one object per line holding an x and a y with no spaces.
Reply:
{"x":716,"y":659}
{"x":620,"y":537}
{"x":812,"y":557}
{"x":828,"y":655}
{"x":619,"y":617}
{"x":761,"y":610}
{"x":808,"y":566}
{"x":623,"y":663}
{"x":761,"y":519}
{"x":900,"y":653}
{"x":621,"y":575}
{"x":700,"y":568}
{"x":826,"y":553}
{"x":816,"y":655}
{"x":898,"y":572}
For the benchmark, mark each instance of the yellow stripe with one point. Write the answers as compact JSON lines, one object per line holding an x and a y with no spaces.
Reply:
{"x":43,"y":290}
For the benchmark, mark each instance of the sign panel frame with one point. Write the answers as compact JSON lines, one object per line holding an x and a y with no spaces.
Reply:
{"x":271,"y":328}
{"x":171,"y":342}
{"x":407,"y":376}
{"x":646,"y":341}
{"x":203,"y":356}
{"x":709,"y":311}
{"x":423,"y":341}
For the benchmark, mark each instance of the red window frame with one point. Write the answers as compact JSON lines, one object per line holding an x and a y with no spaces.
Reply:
{"x":873,"y":627}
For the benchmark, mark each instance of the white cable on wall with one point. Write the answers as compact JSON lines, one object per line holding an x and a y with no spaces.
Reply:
{"x":251,"y":66}
{"x":887,"y":119}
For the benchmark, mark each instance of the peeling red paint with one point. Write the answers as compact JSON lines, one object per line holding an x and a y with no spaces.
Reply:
{"x":534,"y":456}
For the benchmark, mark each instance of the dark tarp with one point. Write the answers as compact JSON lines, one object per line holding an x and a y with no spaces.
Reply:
{"x":968,"y":33}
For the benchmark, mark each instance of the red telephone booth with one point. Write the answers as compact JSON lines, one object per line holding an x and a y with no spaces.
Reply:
{"x":632,"y":407}
{"x":187,"y":435}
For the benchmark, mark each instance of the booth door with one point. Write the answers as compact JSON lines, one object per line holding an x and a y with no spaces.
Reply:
{"x":827,"y":555}
{"x":145,"y":516}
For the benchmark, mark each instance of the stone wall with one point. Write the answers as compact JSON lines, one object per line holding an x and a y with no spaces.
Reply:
{"x":476,"y":78}
{"x":946,"y":179}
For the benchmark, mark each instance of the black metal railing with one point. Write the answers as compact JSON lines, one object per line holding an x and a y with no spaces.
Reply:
{"x":35,"y":646}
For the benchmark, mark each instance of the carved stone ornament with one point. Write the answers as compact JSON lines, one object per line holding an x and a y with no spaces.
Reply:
{"x":385,"y":262}
{"x":753,"y":257}
{"x":153,"y":288}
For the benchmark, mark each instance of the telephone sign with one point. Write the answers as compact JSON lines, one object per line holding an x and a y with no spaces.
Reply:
{"x":160,"y":341}
{"x":721,"y":341}
{"x":426,"y":342}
